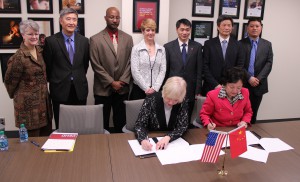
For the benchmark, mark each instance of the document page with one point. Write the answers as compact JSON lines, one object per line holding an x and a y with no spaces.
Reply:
{"x":274,"y":145}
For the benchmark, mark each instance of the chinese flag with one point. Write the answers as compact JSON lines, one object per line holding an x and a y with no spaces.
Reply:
{"x":238,"y":142}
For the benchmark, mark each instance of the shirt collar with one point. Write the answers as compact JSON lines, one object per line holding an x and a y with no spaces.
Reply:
{"x":221,"y":39}
{"x":111,"y":32}
{"x":257,"y":40}
{"x":66,"y":37}
{"x":222,"y":95}
{"x":142,"y":46}
{"x":180,"y":43}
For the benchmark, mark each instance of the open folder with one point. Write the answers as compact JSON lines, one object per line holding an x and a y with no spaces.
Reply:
{"x":138,"y":151}
{"x":60,"y":142}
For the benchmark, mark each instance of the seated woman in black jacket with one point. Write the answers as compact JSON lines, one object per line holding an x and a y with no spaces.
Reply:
{"x":165,"y":111}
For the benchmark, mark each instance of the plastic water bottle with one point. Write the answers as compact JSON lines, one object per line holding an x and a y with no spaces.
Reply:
{"x":3,"y":142}
{"x":23,"y":133}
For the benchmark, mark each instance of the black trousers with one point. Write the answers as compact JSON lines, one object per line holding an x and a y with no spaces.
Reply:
{"x":72,"y":100}
{"x":255,"y":103}
{"x":137,"y":93}
{"x":116,"y":102}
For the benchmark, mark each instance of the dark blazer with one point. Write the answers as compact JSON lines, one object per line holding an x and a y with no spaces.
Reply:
{"x":60,"y":70}
{"x":214,"y":63}
{"x":152,"y":118}
{"x":262,"y":66}
{"x":191,"y":72}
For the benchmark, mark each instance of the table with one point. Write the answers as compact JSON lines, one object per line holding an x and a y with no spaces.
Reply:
{"x":24,"y":162}
{"x":109,"y":158}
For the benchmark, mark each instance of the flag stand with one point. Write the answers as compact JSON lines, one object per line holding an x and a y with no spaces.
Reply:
{"x":222,"y":171}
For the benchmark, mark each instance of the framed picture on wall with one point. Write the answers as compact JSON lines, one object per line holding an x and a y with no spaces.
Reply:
{"x":79,"y":28}
{"x":245,"y":32}
{"x":254,"y":8}
{"x":11,"y":6}
{"x":203,"y":8}
{"x":39,"y":6}
{"x":202,"y":31}
{"x":143,"y":9}
{"x":10,"y":36}
{"x":4,"y":57}
{"x":235,"y":31}
{"x":230,"y":8}
{"x":78,"y":5}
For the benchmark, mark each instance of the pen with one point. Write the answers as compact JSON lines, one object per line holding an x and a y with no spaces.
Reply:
{"x":34,"y":143}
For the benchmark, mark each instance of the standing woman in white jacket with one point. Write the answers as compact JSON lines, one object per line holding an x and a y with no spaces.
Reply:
{"x":148,"y":63}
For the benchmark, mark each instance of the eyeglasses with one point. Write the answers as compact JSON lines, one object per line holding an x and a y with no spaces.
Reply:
{"x":33,"y":34}
{"x":114,"y":18}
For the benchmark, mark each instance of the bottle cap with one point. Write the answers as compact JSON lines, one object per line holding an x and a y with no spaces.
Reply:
{"x":1,"y":132}
{"x":22,"y":125}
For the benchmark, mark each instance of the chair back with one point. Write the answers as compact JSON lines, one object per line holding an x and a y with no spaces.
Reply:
{"x":133,"y":108}
{"x":87,"y":119}
{"x":197,"y":107}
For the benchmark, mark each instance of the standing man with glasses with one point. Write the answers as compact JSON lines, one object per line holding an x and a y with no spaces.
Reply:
{"x":219,"y":54}
{"x":67,"y":59}
{"x":184,"y":59}
{"x":258,"y":64}
{"x":110,"y":51}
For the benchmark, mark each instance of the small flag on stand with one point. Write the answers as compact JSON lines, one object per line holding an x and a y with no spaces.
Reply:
{"x":238,"y":142}
{"x":213,"y":146}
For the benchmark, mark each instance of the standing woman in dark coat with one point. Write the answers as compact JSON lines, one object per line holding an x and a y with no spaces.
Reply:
{"x":26,"y":83}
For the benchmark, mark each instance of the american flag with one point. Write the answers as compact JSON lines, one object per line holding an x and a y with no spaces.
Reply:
{"x":213,"y":146}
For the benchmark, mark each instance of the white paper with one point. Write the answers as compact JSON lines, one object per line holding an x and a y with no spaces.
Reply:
{"x":274,"y":145}
{"x":60,"y":143}
{"x":255,"y":154}
{"x":138,"y":150}
{"x":183,"y":154}
{"x":250,"y":137}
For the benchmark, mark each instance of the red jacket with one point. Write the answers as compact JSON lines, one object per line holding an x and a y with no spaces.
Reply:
{"x":222,"y":113}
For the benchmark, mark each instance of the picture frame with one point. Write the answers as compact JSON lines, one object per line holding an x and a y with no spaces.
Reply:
{"x":4,"y":57}
{"x":80,"y":26}
{"x":245,"y":33}
{"x":235,"y":31}
{"x":254,"y":8}
{"x":203,"y":8}
{"x":11,"y":6}
{"x":202,"y":31}
{"x":145,"y":9}
{"x":10,"y":36}
{"x":230,"y":8}
{"x":39,"y":7}
{"x":45,"y":24}
{"x":78,"y":5}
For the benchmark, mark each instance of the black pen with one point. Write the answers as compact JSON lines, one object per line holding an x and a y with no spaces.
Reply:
{"x":34,"y":143}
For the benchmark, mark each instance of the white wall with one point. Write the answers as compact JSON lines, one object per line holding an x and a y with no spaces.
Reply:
{"x":283,"y":100}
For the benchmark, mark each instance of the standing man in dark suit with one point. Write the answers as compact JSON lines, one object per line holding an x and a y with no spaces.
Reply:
{"x":67,"y":59}
{"x":258,"y":63}
{"x":184,"y":59}
{"x":110,"y":52}
{"x":219,"y":54}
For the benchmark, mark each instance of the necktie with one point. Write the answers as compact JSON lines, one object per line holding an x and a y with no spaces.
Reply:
{"x":252,"y":58}
{"x":224,"y":47}
{"x":183,"y":53}
{"x":115,"y":43}
{"x":70,"y":50}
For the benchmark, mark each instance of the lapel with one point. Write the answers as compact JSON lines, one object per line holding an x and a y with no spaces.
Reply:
{"x":77,"y":47}
{"x":225,"y":102}
{"x":27,"y":53}
{"x":173,"y":116}
{"x":248,"y":49}
{"x":61,"y":43}
{"x":218,"y":48}
{"x":177,"y":51}
{"x":161,"y":117}
{"x":109,"y":42}
{"x":191,"y":47}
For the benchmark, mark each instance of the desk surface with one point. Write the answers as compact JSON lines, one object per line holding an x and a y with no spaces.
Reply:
{"x":110,"y":158}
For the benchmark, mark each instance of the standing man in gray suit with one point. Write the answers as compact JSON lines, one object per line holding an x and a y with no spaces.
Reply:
{"x":110,"y":52}
{"x":184,"y":59}
{"x":66,"y":55}
{"x":258,"y":64}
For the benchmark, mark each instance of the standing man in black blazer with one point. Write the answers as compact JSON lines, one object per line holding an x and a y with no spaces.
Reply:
{"x":219,"y":54}
{"x":185,"y":63}
{"x":258,"y":64}
{"x":66,"y":55}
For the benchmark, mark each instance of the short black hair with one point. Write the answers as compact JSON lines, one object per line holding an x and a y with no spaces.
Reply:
{"x":183,"y":21}
{"x":255,"y":19}
{"x":233,"y":75}
{"x":223,"y":18}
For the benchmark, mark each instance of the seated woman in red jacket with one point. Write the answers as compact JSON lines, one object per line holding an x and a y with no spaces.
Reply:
{"x":228,"y":105}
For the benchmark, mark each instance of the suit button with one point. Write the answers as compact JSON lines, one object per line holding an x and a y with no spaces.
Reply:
{"x":231,"y":113}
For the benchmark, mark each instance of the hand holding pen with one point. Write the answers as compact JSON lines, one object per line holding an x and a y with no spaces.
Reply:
{"x":211,"y":125}
{"x":146,"y":145}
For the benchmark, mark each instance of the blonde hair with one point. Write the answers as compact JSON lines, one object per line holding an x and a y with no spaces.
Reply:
{"x":174,"y":88}
{"x":148,"y":23}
